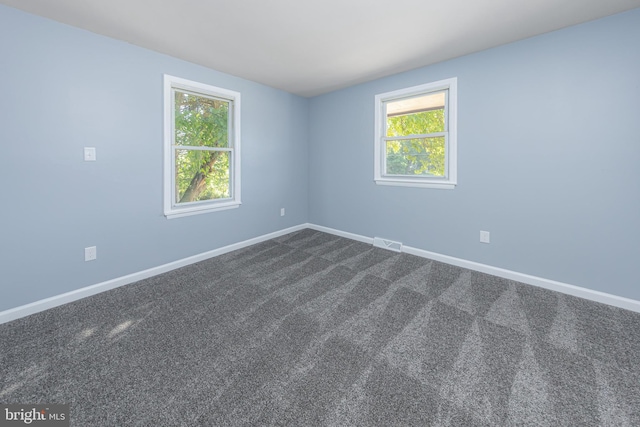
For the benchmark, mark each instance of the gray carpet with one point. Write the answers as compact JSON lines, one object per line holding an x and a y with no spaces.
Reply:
{"x":314,"y":329}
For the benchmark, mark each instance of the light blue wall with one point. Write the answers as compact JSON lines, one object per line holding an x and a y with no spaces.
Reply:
{"x":549,"y":159}
{"x":63,"y":88}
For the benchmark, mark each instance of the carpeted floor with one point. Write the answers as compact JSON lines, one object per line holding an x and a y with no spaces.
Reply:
{"x":313,"y":329}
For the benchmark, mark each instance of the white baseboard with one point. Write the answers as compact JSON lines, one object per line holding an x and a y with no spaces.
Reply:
{"x":54,"y":301}
{"x":41,"y":305}
{"x":565,"y":288}
{"x":340,"y":233}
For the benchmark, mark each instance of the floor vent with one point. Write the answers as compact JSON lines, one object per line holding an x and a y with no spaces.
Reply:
{"x":379,"y":242}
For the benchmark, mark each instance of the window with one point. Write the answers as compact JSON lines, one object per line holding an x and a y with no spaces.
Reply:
{"x":415,"y":136}
{"x":202,"y":148}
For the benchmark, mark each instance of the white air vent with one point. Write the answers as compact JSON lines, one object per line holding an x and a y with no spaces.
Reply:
{"x":379,"y":242}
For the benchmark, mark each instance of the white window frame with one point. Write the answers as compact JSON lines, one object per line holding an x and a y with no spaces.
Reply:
{"x":449,"y":181}
{"x":176,"y":210}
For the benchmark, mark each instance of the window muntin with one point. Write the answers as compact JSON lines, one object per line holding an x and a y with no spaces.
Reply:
{"x":202,"y":148}
{"x":415,"y":136}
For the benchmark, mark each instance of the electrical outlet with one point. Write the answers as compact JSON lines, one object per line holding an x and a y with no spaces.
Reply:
{"x":89,"y":154}
{"x":90,"y":253}
{"x":485,"y":237}
{"x":281,"y":211}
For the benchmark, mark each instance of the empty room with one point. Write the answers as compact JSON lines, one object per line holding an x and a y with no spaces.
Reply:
{"x":305,"y":213}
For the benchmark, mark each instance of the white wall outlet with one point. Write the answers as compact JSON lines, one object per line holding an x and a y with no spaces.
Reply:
{"x":281,"y":211}
{"x":90,"y":253}
{"x":89,"y":154}
{"x":485,"y":237}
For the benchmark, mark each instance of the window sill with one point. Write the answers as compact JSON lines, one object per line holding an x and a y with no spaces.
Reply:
{"x":179,"y":213}
{"x":419,"y":184}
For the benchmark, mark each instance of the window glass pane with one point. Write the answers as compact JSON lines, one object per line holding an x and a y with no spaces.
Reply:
{"x":202,"y":175}
{"x":201,"y":121}
{"x":417,"y":157}
{"x":417,"y":115}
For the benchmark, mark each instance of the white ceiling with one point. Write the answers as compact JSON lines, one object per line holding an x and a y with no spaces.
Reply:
{"x":310,"y":47}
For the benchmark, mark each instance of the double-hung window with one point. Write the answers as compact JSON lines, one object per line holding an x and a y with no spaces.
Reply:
{"x":202,"y":148}
{"x":415,"y":136}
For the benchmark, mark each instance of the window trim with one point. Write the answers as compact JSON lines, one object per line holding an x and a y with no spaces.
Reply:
{"x":171,"y":210}
{"x":451,"y":140}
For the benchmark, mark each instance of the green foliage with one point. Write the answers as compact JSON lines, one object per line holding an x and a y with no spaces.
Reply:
{"x":201,"y":122}
{"x":419,"y":156}
{"x":207,"y":172}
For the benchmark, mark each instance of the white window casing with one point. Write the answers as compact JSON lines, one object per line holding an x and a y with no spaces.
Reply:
{"x":445,"y":89}
{"x":173,"y":208}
